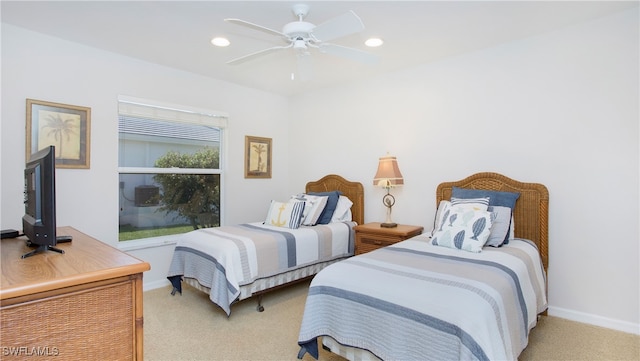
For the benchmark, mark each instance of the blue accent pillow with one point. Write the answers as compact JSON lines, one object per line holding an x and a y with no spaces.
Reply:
{"x":496,"y":198}
{"x":332,"y":203}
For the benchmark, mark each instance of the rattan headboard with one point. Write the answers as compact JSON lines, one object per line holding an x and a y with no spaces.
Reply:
{"x":353,"y":190}
{"x":531,"y":215}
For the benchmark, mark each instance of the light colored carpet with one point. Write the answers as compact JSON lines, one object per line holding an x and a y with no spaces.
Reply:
{"x":190,"y":327}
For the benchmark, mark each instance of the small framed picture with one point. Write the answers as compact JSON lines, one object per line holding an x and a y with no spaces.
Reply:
{"x":67,"y":127}
{"x":257,"y":157}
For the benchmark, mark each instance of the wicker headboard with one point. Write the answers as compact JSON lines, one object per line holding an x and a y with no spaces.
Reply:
{"x":531,"y":215}
{"x":353,"y":190}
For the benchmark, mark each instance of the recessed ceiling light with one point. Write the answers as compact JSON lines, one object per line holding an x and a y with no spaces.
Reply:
{"x":373,"y":42}
{"x":218,"y":41}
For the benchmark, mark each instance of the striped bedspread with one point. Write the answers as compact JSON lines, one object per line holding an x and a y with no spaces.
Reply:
{"x":416,"y":301}
{"x":225,"y":258}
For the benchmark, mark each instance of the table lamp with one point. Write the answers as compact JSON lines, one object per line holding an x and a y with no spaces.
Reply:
{"x":388,"y":176}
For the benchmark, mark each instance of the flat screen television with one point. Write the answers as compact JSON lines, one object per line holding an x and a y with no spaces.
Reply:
{"x":39,"y":220}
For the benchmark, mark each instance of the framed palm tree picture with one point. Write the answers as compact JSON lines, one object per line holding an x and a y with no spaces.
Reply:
{"x":257,"y":157}
{"x":67,"y":127}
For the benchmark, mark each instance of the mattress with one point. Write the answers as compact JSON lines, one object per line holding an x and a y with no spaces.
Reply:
{"x":417,"y":301}
{"x":233,"y":262}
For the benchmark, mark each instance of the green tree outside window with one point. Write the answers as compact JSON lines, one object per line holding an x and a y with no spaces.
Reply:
{"x":193,"y":196}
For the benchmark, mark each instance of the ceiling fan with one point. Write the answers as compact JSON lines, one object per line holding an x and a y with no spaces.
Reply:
{"x":302,"y":36}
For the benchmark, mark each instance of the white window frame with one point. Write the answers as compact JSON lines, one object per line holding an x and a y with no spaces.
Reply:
{"x":152,"y":109}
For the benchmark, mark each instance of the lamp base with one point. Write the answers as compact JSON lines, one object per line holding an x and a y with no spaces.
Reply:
{"x":388,"y":225}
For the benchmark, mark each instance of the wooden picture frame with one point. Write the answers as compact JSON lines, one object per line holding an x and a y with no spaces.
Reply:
{"x":257,"y":157}
{"x":67,"y":127}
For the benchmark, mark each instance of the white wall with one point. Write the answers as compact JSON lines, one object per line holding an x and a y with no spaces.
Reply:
{"x":559,"y":109}
{"x":46,"y":68}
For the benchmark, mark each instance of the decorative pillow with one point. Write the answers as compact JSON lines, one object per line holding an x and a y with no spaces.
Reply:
{"x":442,"y":207}
{"x":500,"y":225}
{"x":342,"y":212}
{"x":464,"y":229}
{"x":287,"y":215}
{"x":475,"y":203}
{"x":314,"y":205}
{"x":332,"y":202}
{"x":496,"y":198}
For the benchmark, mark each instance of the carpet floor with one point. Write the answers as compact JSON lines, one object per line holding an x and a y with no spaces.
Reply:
{"x":191,"y":327}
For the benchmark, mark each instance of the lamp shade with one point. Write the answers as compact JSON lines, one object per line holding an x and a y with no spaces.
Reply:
{"x":388,"y":174}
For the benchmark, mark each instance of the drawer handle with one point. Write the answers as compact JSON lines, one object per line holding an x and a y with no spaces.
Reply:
{"x":377,"y":243}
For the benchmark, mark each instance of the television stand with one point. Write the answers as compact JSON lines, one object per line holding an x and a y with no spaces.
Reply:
{"x":85,"y":305}
{"x":40,"y":249}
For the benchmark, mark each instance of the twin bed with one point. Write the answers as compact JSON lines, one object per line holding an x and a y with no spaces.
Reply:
{"x":414,"y":300}
{"x":418,"y":301}
{"x":232,"y":263}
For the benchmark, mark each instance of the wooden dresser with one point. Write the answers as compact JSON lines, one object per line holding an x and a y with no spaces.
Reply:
{"x":85,"y":304}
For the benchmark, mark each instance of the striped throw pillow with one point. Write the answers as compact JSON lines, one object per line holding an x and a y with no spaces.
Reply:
{"x":288,"y":215}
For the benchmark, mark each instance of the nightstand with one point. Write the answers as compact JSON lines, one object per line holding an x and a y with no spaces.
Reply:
{"x":371,"y":236}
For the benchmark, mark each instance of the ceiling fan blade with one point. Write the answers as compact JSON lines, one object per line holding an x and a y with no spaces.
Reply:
{"x":254,"y":26}
{"x":349,"y":53}
{"x":247,"y":57}
{"x":342,"y":25}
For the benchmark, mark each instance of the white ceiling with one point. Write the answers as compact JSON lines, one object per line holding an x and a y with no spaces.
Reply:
{"x":178,"y":33}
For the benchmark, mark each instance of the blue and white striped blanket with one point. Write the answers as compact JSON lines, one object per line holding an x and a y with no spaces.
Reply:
{"x":225,"y":258}
{"x":417,"y":301}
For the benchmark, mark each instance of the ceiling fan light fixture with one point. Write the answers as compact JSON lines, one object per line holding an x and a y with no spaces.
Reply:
{"x":373,"y":42}
{"x":220,"y":41}
{"x":299,"y":44}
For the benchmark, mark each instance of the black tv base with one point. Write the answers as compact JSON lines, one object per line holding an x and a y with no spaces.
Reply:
{"x":40,"y":249}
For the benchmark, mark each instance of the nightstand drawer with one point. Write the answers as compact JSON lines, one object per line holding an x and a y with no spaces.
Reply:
{"x":371,"y":236}
{"x":377,"y":241}
{"x":370,"y":243}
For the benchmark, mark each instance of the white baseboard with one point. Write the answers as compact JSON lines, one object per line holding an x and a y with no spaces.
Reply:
{"x":148,"y":286}
{"x":595,"y":320}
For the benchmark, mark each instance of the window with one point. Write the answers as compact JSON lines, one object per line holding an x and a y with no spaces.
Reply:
{"x":170,"y":168}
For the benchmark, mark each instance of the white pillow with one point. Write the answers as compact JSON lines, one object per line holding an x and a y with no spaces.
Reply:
{"x":348,"y":217}
{"x":287,"y":215}
{"x":512,"y":232}
{"x":500,"y":226}
{"x":314,"y":205}
{"x":465,"y":229}
{"x":343,"y":210}
{"x":475,"y":203}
